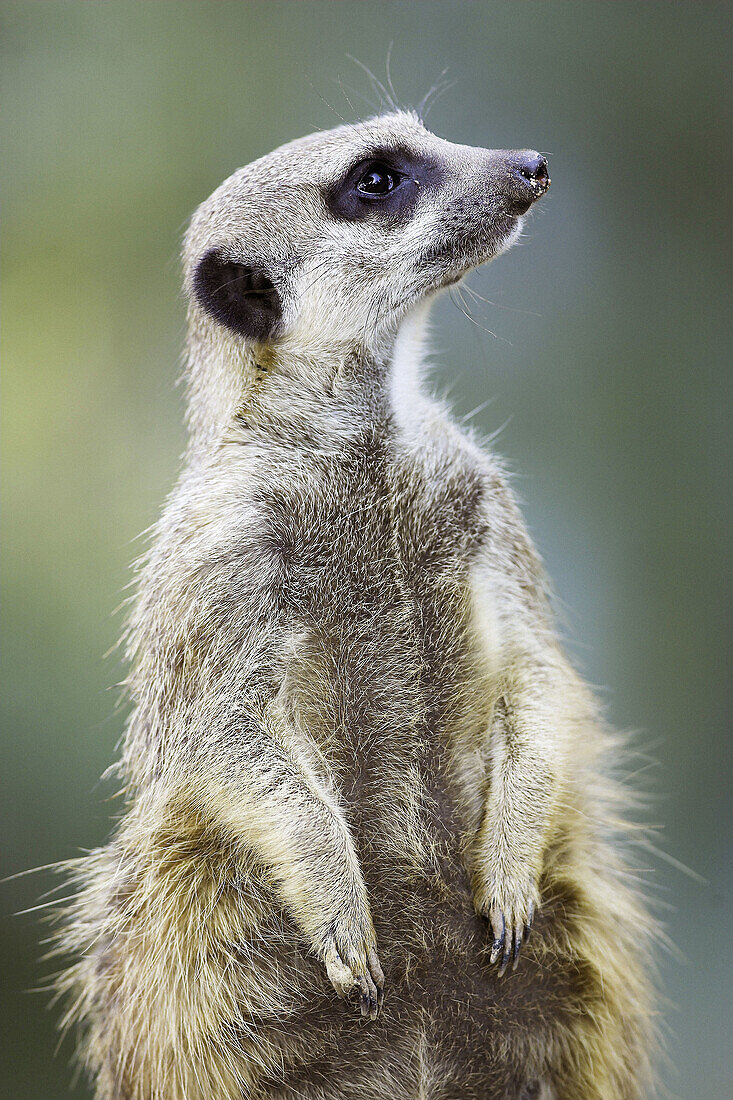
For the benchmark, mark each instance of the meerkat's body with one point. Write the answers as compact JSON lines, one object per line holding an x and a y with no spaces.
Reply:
{"x":354,"y":730}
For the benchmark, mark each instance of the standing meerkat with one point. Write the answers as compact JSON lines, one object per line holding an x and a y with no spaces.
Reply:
{"x":358,"y":760}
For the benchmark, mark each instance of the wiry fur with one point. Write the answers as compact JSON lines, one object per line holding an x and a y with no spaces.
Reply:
{"x":354,"y":731}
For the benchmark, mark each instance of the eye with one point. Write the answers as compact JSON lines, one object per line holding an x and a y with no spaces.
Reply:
{"x":378,"y":179}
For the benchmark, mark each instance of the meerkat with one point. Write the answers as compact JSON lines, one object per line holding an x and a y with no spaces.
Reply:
{"x":358,"y":765}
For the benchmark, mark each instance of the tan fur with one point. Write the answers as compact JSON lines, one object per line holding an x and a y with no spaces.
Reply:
{"x":356,"y":750}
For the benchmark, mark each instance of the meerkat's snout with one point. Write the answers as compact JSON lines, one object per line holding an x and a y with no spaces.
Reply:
{"x":520,"y":178}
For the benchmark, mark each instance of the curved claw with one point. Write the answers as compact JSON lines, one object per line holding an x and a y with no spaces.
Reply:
{"x":364,"y":993}
{"x":367,"y":996}
{"x":506,"y":957}
{"x":530,"y":918}
{"x":377,"y":976}
{"x":499,"y":929}
{"x":362,"y":985}
{"x":518,"y":941}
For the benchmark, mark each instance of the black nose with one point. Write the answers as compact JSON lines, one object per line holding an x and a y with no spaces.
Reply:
{"x":531,"y":179}
{"x":534,"y":169}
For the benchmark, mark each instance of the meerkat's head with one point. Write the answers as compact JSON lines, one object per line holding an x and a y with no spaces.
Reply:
{"x":329,"y":241}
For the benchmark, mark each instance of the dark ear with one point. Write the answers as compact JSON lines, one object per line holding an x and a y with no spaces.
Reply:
{"x":241,"y":297}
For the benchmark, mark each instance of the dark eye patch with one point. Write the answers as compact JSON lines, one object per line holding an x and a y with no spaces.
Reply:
{"x":239,"y":296}
{"x":384,"y":185}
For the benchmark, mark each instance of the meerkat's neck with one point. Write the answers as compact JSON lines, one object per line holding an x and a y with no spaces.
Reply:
{"x":304,"y":391}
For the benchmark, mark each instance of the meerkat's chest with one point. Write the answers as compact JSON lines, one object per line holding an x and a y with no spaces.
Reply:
{"x":371,"y":528}
{"x":371,"y":554}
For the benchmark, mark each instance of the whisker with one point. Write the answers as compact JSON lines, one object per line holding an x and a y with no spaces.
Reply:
{"x":341,"y":86}
{"x":390,"y":85}
{"x":461,"y":305}
{"x":324,"y":100}
{"x":355,"y":91}
{"x":498,"y":305}
{"x":377,"y":85}
{"x":439,"y":88}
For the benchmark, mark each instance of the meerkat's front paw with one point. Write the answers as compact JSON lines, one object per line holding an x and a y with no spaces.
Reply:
{"x":353,"y":969}
{"x":509,"y":905}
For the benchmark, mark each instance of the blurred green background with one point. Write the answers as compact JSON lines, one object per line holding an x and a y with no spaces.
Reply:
{"x":609,"y":369}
